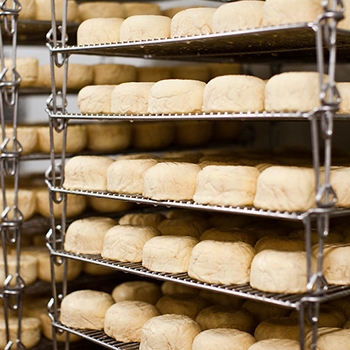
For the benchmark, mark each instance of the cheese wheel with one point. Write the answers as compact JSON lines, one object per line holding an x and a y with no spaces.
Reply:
{"x":221,"y":262}
{"x":176,"y":96}
{"x":85,"y":236}
{"x":223,"y":338}
{"x":192,"y":21}
{"x":44,"y":12}
{"x":125,"y":319}
{"x":175,"y":332}
{"x":76,"y":139}
{"x":113,"y":74}
{"x":142,"y":219}
{"x":280,"y":328}
{"x":226,"y":234}
{"x":341,"y":185}
{"x":280,"y":271}
{"x":108,"y":137}
{"x":335,"y":263}
{"x":331,"y":338}
{"x":226,"y":185}
{"x":27,"y":69}
{"x":145,"y":27}
{"x":264,"y":311}
{"x":152,"y":135}
{"x":25,"y":203}
{"x":285,"y":188}
{"x":25,"y":135}
{"x":171,"y":180}
{"x":279,"y":243}
{"x":125,"y":243}
{"x":169,"y":254}
{"x":153,"y":73}
{"x":95,"y":99}
{"x":146,"y":291}
{"x":85,"y":309}
{"x":275,"y":344}
{"x":28,"y":269}
{"x":140,"y":8}
{"x":172,"y":11}
{"x":127,"y":175}
{"x":30,"y":331}
{"x":108,"y":205}
{"x":237,"y":16}
{"x":130,"y":98}
{"x":182,"y":227}
{"x":100,"y":9}
{"x":293,"y":92}
{"x":87,"y":173}
{"x":234,"y":93}
{"x":223,"y":316}
{"x":181,"y":304}
{"x":276,"y":12}
{"x":99,"y":31}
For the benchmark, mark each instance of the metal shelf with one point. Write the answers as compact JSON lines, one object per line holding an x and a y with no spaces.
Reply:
{"x":333,"y":212}
{"x":285,"y":42}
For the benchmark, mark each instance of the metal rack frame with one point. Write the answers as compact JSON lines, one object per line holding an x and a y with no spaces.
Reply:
{"x":319,"y":41}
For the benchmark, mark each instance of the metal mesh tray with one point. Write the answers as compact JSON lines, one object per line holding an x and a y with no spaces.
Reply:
{"x":295,"y":42}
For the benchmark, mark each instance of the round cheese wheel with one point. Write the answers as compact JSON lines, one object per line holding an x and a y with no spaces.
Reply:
{"x":168,"y":253}
{"x":169,"y":331}
{"x":192,"y":21}
{"x":26,"y":67}
{"x":237,"y":16}
{"x":226,"y":234}
{"x":127,"y":175}
{"x":176,"y":96}
{"x":152,"y":135}
{"x":221,"y":262}
{"x":113,"y":74}
{"x":153,"y":73}
{"x":85,"y":236}
{"x":131,"y":98}
{"x":145,"y":27}
{"x":285,"y":188}
{"x":76,"y":139}
{"x":30,"y":331}
{"x":108,"y":137}
{"x":223,"y":338}
{"x":172,"y":11}
{"x":234,"y":93}
{"x":281,"y":328}
{"x":99,"y":31}
{"x":171,"y":180}
{"x":125,"y":242}
{"x":181,"y":227}
{"x":125,"y":319}
{"x":340,"y":184}
{"x":279,"y":243}
{"x":26,"y":136}
{"x":142,"y":219}
{"x":181,"y":304}
{"x":85,"y":309}
{"x":226,"y":185}
{"x":140,"y":8}
{"x":331,"y":338}
{"x":95,"y":99}
{"x":223,"y":316}
{"x":87,"y":173}
{"x":275,"y":344}
{"x":100,"y":9}
{"x":277,"y":12}
{"x":146,"y":291}
{"x":44,"y":12}
{"x":293,"y":92}
{"x":280,"y":271}
{"x":108,"y":205}
{"x":264,"y":311}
